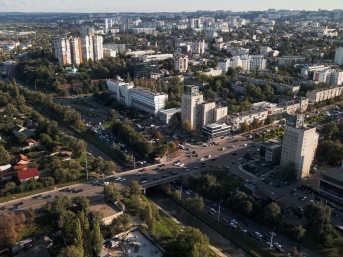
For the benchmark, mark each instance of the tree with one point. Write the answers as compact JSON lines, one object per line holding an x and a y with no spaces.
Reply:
{"x":196,"y":203}
{"x":21,"y":138}
{"x":245,"y":207}
{"x":269,"y":120}
{"x":11,"y":227}
{"x":177,"y":194}
{"x":318,"y":214}
{"x":150,"y":220}
{"x":113,"y":115}
{"x":9,"y":188}
{"x":109,"y":167}
{"x":297,"y":231}
{"x":30,"y":215}
{"x":120,"y":224}
{"x":271,"y":212}
{"x":71,"y":251}
{"x":245,"y":127}
{"x":135,"y":188}
{"x":191,"y":242}
{"x":97,"y":239}
{"x":111,"y":193}
{"x":4,"y":156}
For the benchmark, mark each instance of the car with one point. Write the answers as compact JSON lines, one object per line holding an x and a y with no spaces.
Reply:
{"x":144,"y":180}
{"x":233,"y":225}
{"x":164,"y":176}
{"x":117,"y":179}
{"x":234,"y":153}
{"x":225,"y":220}
{"x":47,"y":197}
{"x":258,"y":234}
{"x":202,"y":158}
{"x":244,"y":230}
{"x":214,"y":210}
{"x":3,"y":208}
{"x":95,"y":183}
{"x":106,"y":183}
{"x":155,"y":178}
{"x":211,"y":213}
{"x":138,"y":173}
{"x":276,"y":244}
{"x":182,"y":164}
{"x":222,"y":149}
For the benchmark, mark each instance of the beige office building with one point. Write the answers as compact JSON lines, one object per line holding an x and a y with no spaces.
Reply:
{"x":191,"y":105}
{"x":299,"y":147}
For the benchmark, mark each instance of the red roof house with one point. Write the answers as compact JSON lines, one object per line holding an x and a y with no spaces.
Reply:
{"x":22,"y":159}
{"x":25,"y":175}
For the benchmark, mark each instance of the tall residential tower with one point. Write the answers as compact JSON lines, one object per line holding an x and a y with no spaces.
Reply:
{"x":299,"y":146}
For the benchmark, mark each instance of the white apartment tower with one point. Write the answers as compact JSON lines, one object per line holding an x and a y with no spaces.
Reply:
{"x":181,"y":63}
{"x":98,"y":48}
{"x":339,"y":56}
{"x":87,"y":48}
{"x":62,"y":51}
{"x":191,"y":106}
{"x":299,"y":147}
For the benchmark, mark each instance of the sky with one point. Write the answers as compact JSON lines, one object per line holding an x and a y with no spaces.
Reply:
{"x":91,"y":6}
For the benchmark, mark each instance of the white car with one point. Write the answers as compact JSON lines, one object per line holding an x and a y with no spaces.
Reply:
{"x":244,"y":230}
{"x":233,"y":225}
{"x":182,"y":164}
{"x":122,"y":179}
{"x":223,"y":148}
{"x":118,"y":179}
{"x":276,"y":244}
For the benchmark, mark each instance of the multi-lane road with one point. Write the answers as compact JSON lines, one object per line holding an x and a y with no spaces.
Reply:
{"x":222,"y":156}
{"x":153,"y":174}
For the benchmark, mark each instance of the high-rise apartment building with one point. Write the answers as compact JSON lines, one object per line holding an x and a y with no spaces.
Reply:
{"x":62,"y":51}
{"x":76,"y":50}
{"x":87,"y":47}
{"x":299,"y":146}
{"x":198,"y":47}
{"x":97,"y":48}
{"x":181,"y":63}
{"x":191,"y":106}
{"x":339,"y":56}
{"x":329,"y":76}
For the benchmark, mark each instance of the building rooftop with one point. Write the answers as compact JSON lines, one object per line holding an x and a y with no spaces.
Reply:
{"x":171,"y":111}
{"x":253,"y":111}
{"x":106,"y":209}
{"x":334,"y":173}
{"x":134,"y":242}
{"x":29,"y":173}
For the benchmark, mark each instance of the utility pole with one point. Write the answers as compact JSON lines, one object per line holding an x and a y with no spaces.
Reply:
{"x":134,"y":161}
{"x":219,"y":210}
{"x":87,"y":165}
{"x":271,"y":239}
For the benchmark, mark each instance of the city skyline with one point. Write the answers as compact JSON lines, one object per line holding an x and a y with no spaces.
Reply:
{"x":91,"y":6}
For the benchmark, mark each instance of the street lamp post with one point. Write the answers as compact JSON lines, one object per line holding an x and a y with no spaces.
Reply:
{"x":219,"y":210}
{"x":271,"y":239}
{"x":181,"y":191}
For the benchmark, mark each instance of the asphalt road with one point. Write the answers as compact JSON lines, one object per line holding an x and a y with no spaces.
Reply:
{"x":224,"y":158}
